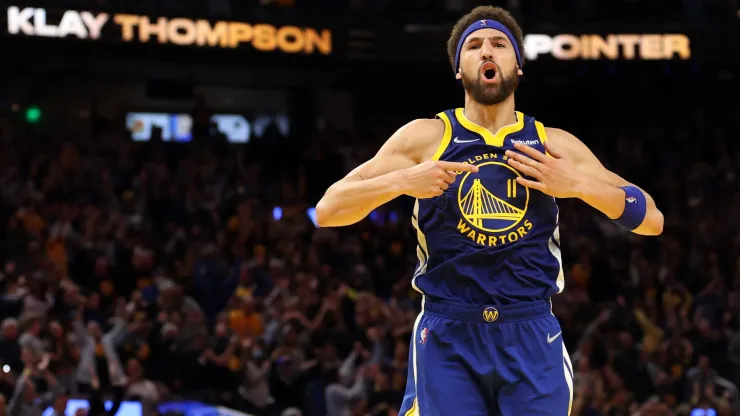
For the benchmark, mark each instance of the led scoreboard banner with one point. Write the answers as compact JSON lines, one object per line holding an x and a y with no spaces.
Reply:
{"x":86,"y":25}
{"x":413,"y":43}
{"x":609,"y":47}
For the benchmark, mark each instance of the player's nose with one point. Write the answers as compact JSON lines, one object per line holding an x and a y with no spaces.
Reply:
{"x":486,"y":51}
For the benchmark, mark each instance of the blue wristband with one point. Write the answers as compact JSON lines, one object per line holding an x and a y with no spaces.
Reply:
{"x":635,"y":208}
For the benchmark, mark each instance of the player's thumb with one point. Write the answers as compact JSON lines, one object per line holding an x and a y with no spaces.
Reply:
{"x":553,"y":151}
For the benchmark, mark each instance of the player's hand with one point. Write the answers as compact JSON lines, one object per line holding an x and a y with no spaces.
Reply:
{"x":431,"y":178}
{"x":555,"y":176}
{"x":44,"y":364}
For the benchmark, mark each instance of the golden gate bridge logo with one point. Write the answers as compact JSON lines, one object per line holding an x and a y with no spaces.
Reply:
{"x":490,"y":207}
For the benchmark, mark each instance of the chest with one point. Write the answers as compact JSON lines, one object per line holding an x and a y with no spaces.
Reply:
{"x":493,"y":165}
{"x":492,"y":200}
{"x":467,"y":145}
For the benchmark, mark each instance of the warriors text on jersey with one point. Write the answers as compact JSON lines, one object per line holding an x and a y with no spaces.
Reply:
{"x":488,"y":239}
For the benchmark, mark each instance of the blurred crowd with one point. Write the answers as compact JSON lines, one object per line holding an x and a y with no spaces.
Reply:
{"x":152,"y":271}
{"x":148,"y":271}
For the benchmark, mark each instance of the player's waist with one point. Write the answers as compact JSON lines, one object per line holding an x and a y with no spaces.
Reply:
{"x":487,"y":313}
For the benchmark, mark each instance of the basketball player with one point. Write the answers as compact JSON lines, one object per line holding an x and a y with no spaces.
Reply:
{"x":485,"y":178}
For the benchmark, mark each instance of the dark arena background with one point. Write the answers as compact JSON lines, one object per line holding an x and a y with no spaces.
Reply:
{"x":160,"y":162}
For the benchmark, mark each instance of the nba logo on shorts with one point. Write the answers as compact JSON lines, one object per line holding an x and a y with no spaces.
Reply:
{"x":423,"y":336}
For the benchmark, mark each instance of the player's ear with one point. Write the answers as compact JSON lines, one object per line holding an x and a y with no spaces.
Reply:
{"x":519,"y":71}
{"x":458,"y":75}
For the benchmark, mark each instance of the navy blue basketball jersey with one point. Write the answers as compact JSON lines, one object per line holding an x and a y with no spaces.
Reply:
{"x":487,"y":239}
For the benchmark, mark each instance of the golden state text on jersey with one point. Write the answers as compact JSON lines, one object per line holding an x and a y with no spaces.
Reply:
{"x":487,"y":239}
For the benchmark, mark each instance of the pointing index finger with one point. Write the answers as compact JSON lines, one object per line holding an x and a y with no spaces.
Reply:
{"x":457,"y":166}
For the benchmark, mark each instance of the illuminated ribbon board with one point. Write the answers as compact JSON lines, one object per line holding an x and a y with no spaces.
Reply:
{"x":609,"y":47}
{"x":30,"y":21}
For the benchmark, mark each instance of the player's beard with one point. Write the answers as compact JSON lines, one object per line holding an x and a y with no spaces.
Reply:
{"x":490,"y":94}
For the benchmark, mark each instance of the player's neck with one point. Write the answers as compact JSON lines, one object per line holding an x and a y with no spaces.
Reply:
{"x":492,"y":117}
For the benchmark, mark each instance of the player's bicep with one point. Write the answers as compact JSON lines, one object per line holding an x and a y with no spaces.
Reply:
{"x":406,"y":148}
{"x":585,"y":160}
{"x":583,"y":157}
{"x":596,"y":169}
{"x":381,"y":164}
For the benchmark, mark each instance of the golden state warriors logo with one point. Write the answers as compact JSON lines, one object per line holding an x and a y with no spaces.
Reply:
{"x":490,"y":314}
{"x":492,"y":204}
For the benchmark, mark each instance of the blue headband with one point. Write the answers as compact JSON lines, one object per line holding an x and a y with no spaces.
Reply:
{"x":486,"y":24}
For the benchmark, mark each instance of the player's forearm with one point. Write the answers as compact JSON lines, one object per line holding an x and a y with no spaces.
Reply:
{"x":352,"y":199}
{"x":610,"y":200}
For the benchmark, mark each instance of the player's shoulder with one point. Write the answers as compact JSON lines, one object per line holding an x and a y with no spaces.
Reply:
{"x":570,"y":145}
{"x":558,"y":134}
{"x":562,"y":138}
{"x":419,"y":138}
{"x":423,"y":129}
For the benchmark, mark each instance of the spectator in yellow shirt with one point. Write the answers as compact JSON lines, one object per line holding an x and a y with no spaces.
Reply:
{"x":246,"y":322}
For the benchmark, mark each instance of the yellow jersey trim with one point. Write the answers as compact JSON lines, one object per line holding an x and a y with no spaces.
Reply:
{"x":445,"y":138}
{"x":414,"y":410}
{"x":490,"y":138}
{"x":542,"y":133}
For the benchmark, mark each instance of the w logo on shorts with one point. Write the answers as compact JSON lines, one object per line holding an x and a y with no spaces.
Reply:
{"x":423,"y":336}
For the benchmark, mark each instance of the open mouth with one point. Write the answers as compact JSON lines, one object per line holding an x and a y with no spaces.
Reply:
{"x":489,"y":71}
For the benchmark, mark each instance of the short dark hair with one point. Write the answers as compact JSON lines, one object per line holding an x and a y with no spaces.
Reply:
{"x":480,"y":13}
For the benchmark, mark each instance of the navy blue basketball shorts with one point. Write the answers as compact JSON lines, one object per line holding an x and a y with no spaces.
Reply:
{"x":489,"y":360}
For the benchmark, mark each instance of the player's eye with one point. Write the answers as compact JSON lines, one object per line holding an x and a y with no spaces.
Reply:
{"x":474,"y":46}
{"x":499,"y":45}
